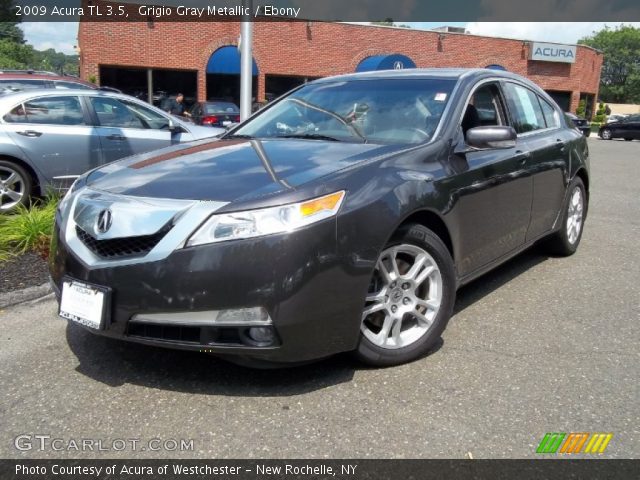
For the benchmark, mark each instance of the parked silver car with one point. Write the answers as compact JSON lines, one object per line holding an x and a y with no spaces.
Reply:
{"x":50,"y":137}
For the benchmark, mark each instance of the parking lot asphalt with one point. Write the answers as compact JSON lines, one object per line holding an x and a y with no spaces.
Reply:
{"x":540,"y":345}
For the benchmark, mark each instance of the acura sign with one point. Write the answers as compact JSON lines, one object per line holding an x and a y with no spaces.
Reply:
{"x":552,"y":52}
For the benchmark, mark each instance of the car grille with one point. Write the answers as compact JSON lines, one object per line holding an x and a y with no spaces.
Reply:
{"x":120,"y":247}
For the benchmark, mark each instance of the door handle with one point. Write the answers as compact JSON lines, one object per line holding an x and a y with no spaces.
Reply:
{"x":522,"y":157}
{"x":115,"y":137}
{"x":29,"y":133}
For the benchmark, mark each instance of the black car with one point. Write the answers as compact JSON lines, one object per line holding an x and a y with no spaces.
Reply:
{"x":215,"y":114}
{"x":627,"y":128}
{"x":580,"y":123}
{"x":342,"y":217}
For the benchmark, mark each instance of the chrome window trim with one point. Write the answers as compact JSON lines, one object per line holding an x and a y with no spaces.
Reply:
{"x":473,"y":90}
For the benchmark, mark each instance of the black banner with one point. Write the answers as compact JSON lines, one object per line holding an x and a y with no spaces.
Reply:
{"x":317,"y":469}
{"x":325,"y":10}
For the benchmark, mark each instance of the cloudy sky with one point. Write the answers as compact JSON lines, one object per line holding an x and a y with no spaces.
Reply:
{"x":62,"y":35}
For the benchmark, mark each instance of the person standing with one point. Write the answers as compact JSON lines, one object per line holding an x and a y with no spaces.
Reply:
{"x":176,"y":106}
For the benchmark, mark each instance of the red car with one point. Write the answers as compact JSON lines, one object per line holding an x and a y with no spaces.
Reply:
{"x":215,"y":113}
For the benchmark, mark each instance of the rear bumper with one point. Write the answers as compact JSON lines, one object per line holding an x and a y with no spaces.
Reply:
{"x":313,"y":298}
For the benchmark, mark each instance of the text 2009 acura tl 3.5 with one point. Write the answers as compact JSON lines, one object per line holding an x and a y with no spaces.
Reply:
{"x":343,"y":217}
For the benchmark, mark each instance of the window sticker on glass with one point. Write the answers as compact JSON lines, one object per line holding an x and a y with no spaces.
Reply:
{"x":440,"y":97}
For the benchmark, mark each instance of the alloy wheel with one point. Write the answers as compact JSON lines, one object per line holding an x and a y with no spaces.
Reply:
{"x":574,"y":215}
{"x":404,"y":297}
{"x":12,"y":188}
{"x":606,"y":134}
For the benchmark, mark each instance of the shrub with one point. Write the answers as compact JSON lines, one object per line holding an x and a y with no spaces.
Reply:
{"x":28,"y":229}
{"x":582,"y":108}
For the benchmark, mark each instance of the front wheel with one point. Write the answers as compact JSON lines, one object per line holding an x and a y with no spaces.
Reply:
{"x":606,"y":134}
{"x":15,"y":186}
{"x":410,"y":299}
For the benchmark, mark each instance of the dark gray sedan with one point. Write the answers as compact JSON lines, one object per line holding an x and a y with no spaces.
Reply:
{"x":343,"y":217}
{"x":50,"y":137}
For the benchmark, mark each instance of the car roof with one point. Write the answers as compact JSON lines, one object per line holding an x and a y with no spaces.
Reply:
{"x":22,"y":95}
{"x":40,"y":76}
{"x":422,"y":73}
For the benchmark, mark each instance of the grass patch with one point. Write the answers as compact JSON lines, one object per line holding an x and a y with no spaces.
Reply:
{"x":28,"y":229}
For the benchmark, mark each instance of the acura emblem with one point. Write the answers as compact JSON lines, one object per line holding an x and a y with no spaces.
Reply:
{"x":104,"y":221}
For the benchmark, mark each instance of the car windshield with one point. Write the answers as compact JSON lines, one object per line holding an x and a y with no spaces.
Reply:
{"x":220,"y":107}
{"x":390,"y":111}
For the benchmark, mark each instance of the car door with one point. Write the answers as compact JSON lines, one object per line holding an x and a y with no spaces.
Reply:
{"x":126,"y":127}
{"x":492,"y":187}
{"x":56,"y":134}
{"x":538,"y":125}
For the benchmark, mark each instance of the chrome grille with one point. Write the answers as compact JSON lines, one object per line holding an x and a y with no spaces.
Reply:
{"x":116,"y":248}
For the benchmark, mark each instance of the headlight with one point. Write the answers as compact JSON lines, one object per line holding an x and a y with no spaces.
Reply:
{"x":266,"y":221}
{"x":65,"y":202}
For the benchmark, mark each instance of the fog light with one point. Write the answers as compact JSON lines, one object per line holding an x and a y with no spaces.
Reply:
{"x":263,"y":335}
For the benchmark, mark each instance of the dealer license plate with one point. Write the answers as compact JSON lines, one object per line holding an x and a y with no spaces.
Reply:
{"x":82,"y":303}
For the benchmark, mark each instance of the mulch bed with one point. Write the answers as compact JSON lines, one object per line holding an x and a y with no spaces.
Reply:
{"x":27,"y":270}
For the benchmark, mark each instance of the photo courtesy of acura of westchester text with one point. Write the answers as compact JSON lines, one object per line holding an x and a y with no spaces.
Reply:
{"x":320,"y":239}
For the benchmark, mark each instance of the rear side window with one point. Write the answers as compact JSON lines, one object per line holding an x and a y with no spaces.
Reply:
{"x":525,"y":109}
{"x":48,"y":111}
{"x":550,"y":115}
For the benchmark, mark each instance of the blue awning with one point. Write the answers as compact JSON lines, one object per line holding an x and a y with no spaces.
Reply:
{"x":226,"y":60}
{"x":394,"y":61}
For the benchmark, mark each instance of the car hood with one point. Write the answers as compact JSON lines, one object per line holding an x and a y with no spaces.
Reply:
{"x":231,"y":170}
{"x":198,"y":132}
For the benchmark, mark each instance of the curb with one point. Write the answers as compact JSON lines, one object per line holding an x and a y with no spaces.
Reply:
{"x":17,"y":297}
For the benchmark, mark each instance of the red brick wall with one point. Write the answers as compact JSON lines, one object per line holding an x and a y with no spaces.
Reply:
{"x":320,"y":49}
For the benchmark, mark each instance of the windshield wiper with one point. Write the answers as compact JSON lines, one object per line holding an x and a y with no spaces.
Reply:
{"x":311,"y":136}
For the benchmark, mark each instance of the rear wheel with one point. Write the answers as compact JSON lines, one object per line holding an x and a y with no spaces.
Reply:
{"x":606,"y":134}
{"x":410,"y":299}
{"x":565,"y":242}
{"x":15,"y":186}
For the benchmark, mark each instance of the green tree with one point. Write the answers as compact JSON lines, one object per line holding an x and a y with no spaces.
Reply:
{"x":620,"y":79}
{"x":582,"y":108}
{"x":9,"y":29}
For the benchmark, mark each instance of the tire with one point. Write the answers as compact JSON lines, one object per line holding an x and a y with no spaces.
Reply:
{"x":566,"y":240}
{"x":606,"y":134}
{"x":407,"y":307}
{"x":628,"y":139}
{"x":15,"y":186}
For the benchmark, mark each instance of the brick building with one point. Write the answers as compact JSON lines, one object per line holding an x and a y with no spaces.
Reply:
{"x":201,"y":59}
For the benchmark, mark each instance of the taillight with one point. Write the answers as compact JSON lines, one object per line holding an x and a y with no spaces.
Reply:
{"x":237,"y":118}
{"x":209,"y":120}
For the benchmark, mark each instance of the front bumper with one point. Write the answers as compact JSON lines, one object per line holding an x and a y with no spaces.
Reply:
{"x":312,"y":297}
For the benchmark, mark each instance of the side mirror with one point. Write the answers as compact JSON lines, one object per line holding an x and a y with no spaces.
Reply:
{"x":487,"y":138}
{"x":174,"y":128}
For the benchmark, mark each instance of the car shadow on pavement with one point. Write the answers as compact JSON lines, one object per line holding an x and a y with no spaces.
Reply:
{"x":115,"y":363}
{"x":486,"y":284}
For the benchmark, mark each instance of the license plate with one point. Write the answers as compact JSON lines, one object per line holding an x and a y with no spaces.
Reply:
{"x":226,"y":123}
{"x":82,"y":303}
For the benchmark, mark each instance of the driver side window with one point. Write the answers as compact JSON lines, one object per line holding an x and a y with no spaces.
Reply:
{"x":485,"y":108}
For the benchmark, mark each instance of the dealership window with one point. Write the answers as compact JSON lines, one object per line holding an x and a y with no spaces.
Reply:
{"x":526,"y":113}
{"x":48,"y":111}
